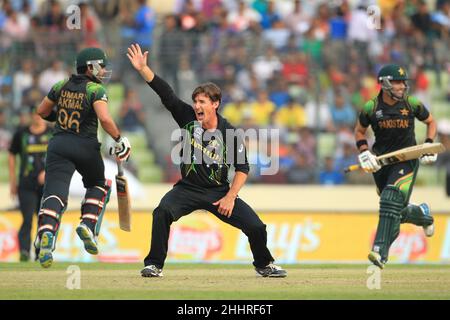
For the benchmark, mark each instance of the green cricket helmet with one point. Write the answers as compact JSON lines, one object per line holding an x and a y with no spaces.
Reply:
{"x":392,"y":72}
{"x":94,"y":59}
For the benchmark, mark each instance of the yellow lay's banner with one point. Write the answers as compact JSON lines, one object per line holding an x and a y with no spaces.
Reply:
{"x":294,"y":237}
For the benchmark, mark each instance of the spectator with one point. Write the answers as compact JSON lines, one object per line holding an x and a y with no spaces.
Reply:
{"x":329,"y":175}
{"x":32,"y":95}
{"x":15,"y":28}
{"x":144,"y":23}
{"x":297,"y":20}
{"x":54,"y":19}
{"x":269,"y":16}
{"x":131,"y":113}
{"x":188,"y":16}
{"x":319,"y":115}
{"x":277,"y":36}
{"x":348,"y":157}
{"x":312,"y":46}
{"x":292,"y":115}
{"x":235,"y":112}
{"x":306,"y":145}
{"x":300,"y":173}
{"x":421,"y":20}
{"x":261,"y":109}
{"x":215,"y":69}
{"x":279,"y":94}
{"x":244,"y":18}
{"x":51,"y":75}
{"x":90,"y":26}
{"x":342,"y":113}
{"x":295,"y":68}
{"x":359,"y":35}
{"x":422,"y":84}
{"x":22,"y":79}
{"x":265,"y":66}
{"x":208,"y":7}
{"x":187,"y":78}
{"x":170,"y":49}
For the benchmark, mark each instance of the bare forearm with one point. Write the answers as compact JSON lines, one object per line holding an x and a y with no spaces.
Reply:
{"x":237,"y":184}
{"x":431,"y":130}
{"x":110,"y":127}
{"x":147,"y":74}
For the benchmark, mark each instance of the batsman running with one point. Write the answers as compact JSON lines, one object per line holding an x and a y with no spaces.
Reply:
{"x":204,"y":184}
{"x":77,"y":104}
{"x":391,"y":115}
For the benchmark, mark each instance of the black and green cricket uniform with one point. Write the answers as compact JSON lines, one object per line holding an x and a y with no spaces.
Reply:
{"x":74,"y":146}
{"x":31,"y":149}
{"x":393,"y":127}
{"x":207,"y":157}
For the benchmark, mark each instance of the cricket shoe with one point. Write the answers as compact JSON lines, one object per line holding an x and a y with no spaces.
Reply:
{"x":88,"y":238}
{"x":271,"y":271}
{"x":151,"y":271}
{"x":375,"y":258}
{"x":428,"y":230}
{"x":46,"y":249}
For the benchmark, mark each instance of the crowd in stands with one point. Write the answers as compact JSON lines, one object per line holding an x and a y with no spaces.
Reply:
{"x":303,"y":67}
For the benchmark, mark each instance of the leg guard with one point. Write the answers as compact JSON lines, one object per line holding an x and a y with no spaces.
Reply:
{"x":391,"y":204}
{"x":415,"y":215}
{"x":94,"y":206}
{"x":49,"y":217}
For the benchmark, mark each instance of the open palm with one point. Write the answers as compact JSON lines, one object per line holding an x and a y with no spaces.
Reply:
{"x":137,"y":58}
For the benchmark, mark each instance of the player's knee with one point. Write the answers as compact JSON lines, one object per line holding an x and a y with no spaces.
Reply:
{"x":50,"y":213}
{"x":256,"y":228}
{"x":53,"y":204}
{"x":163,"y":212}
{"x":95,"y":200}
{"x":391,"y":201}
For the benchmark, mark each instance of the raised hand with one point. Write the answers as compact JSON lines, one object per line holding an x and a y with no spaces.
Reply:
{"x":137,"y":58}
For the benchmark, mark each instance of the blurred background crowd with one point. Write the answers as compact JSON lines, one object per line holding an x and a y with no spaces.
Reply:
{"x":301,"y":66}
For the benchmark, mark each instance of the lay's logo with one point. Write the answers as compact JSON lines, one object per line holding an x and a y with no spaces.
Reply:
{"x":9,"y":243}
{"x":195,"y":238}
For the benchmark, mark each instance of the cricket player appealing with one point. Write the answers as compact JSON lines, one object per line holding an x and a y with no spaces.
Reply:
{"x":204,"y":184}
{"x":80,"y":102}
{"x":391,"y":115}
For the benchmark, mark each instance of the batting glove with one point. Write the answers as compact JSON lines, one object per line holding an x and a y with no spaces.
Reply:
{"x":122,"y":149}
{"x":369,"y":162}
{"x":428,"y":158}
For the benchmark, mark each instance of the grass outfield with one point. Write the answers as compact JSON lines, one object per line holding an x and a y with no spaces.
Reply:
{"x":214,"y":281}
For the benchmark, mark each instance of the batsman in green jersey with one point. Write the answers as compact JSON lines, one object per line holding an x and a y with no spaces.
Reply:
{"x":77,"y":105}
{"x":391,"y":115}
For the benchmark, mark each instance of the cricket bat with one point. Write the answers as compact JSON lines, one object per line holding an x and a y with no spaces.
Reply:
{"x":123,"y":199}
{"x":405,"y":154}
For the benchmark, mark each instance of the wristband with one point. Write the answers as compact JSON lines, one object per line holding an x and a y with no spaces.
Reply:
{"x":51,"y":117}
{"x":361,"y":143}
{"x":429,"y":140}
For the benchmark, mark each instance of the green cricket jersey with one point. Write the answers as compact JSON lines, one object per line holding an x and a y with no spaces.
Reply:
{"x":74,"y":98}
{"x":393,"y":125}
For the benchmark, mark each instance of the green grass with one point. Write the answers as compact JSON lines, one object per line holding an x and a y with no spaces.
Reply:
{"x":216,"y":282}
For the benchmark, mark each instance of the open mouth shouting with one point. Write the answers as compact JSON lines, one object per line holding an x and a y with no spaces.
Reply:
{"x":200,"y":115}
